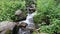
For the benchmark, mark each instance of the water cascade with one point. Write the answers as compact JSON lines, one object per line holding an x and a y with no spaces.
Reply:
{"x":29,"y":19}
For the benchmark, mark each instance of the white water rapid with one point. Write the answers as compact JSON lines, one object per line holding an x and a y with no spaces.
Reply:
{"x":30,"y":22}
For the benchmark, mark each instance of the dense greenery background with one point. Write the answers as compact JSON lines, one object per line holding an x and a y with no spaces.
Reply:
{"x":8,"y":8}
{"x":46,"y":10}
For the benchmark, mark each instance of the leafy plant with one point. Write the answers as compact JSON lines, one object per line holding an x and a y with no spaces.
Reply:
{"x":50,"y":9}
{"x":8,"y":8}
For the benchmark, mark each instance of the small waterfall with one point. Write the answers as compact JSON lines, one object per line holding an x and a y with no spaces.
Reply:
{"x":29,"y":20}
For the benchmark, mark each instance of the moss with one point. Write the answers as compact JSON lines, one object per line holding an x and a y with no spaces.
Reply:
{"x":34,"y":32}
{"x":8,"y":32}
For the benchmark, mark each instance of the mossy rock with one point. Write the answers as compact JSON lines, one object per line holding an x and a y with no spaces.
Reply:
{"x":8,"y":32}
{"x":34,"y":32}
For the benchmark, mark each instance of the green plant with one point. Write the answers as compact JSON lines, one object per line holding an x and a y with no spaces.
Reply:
{"x":8,"y":8}
{"x":50,"y":9}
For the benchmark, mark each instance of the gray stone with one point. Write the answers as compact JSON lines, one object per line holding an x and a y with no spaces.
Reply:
{"x":5,"y":25}
{"x":18,"y":12}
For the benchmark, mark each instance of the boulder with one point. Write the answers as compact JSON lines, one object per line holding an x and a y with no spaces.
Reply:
{"x":6,"y":25}
{"x":20,"y":15}
{"x":18,"y":12}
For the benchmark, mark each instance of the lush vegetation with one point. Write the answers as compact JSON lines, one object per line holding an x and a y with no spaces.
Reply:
{"x":8,"y":8}
{"x":48,"y":13}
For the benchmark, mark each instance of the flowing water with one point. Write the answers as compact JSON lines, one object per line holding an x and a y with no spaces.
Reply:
{"x":30,"y":22}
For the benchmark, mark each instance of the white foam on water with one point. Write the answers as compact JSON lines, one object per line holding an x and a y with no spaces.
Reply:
{"x":29,"y":21}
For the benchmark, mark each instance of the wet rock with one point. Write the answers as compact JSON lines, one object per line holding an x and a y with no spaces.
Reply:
{"x":19,"y":15}
{"x":15,"y":29}
{"x":6,"y":25}
{"x":24,"y":31}
{"x":3,"y":32}
{"x":8,"y":32}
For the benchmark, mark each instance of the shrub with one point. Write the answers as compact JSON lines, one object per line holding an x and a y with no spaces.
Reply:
{"x":50,"y":9}
{"x":8,"y":8}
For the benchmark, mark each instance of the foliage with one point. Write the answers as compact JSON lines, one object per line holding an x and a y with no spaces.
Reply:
{"x":44,"y":8}
{"x":48,"y":8}
{"x":8,"y":8}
